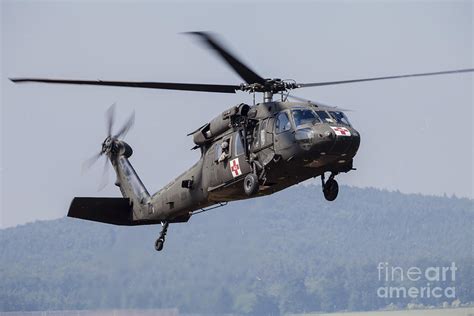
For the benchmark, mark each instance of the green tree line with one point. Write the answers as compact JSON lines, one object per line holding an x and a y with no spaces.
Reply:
{"x":291,"y":252}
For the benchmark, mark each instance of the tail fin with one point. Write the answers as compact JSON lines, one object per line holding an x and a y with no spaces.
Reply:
{"x":133,"y":208}
{"x":129,"y":210}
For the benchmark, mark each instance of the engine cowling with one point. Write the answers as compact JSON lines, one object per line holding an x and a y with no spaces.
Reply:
{"x":219,"y":124}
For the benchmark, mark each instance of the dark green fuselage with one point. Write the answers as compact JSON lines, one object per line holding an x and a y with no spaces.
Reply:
{"x":289,"y":157}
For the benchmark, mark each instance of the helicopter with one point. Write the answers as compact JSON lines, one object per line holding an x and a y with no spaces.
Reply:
{"x":247,"y":151}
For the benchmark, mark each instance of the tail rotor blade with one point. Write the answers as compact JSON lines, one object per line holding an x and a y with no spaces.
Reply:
{"x":110,"y":118}
{"x":87,"y":164}
{"x":105,"y":176}
{"x":126,"y":127}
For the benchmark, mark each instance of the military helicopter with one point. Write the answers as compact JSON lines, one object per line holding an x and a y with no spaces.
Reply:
{"x":246,"y":151}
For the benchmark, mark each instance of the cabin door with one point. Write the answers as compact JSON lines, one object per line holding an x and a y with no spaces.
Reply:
{"x":263,"y":135}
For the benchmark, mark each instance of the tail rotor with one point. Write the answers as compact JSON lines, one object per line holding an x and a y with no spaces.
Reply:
{"x":112,"y":145}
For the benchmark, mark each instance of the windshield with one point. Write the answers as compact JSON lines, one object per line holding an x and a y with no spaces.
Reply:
{"x":340,"y":117}
{"x":304,"y":116}
{"x":325,"y":117}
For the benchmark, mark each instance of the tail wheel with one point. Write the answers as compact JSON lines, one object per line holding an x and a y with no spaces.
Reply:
{"x":331,"y":189}
{"x":251,"y":184}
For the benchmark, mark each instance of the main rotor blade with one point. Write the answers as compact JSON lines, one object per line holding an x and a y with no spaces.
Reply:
{"x":328,"y":83}
{"x":150,"y":85}
{"x":244,"y":71}
{"x":300,"y":99}
{"x":318,"y":103}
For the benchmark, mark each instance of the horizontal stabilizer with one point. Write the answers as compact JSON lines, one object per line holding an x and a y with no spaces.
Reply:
{"x":116,"y":211}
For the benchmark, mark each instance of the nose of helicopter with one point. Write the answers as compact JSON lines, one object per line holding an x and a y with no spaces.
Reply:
{"x":346,"y":140}
{"x":329,"y":139}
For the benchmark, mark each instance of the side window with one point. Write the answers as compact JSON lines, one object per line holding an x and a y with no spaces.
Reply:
{"x":217,"y":151}
{"x":263,"y":131}
{"x":256,"y":137}
{"x":282,"y":123}
{"x":239,"y":144}
{"x":223,"y":150}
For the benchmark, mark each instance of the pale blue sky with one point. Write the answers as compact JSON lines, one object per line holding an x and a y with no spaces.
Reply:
{"x":416,"y":133}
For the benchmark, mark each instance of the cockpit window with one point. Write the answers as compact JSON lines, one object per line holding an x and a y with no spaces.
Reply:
{"x":282,"y":123}
{"x":340,"y":117}
{"x":325,"y":117}
{"x":304,"y":116}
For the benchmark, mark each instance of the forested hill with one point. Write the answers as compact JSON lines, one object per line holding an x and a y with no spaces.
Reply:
{"x":290,"y":252}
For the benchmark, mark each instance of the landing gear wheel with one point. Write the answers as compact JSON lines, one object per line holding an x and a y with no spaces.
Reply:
{"x":159,"y":244}
{"x":251,"y":184}
{"x":331,"y":189}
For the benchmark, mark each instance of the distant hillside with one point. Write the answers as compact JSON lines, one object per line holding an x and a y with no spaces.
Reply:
{"x":290,"y":252}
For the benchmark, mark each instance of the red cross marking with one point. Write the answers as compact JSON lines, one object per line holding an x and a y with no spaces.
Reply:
{"x":341,"y":130}
{"x":235,"y":167}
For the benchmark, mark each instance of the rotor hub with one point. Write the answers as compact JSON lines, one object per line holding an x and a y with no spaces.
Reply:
{"x":270,"y":85}
{"x":107,"y":145}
